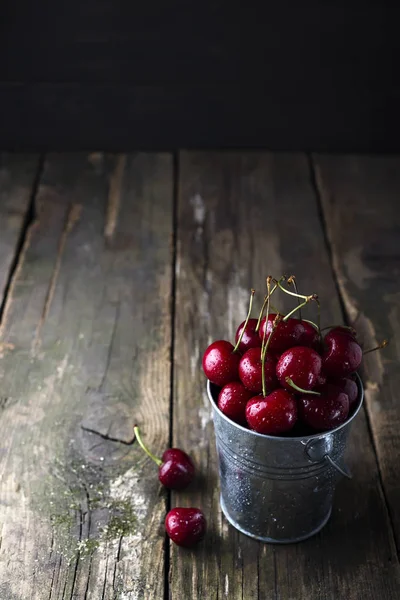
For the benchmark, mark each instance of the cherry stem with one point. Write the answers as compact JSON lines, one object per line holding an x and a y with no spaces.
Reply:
{"x":299,"y":389}
{"x":266,"y":298}
{"x":264,"y":351}
{"x":292,"y":279}
{"x":158,"y":461}
{"x":379,"y":347}
{"x":289,"y":292}
{"x":307,"y":300}
{"x":260,"y":316}
{"x":318,"y":318}
{"x":246,"y":321}
{"x":311,"y":323}
{"x":263,"y":345}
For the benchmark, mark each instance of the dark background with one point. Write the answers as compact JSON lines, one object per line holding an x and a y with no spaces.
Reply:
{"x":119,"y":75}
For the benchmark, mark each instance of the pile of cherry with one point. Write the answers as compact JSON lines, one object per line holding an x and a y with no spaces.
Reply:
{"x":282,"y":375}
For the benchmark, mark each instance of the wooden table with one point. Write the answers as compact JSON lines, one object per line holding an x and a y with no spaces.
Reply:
{"x":116,"y":271}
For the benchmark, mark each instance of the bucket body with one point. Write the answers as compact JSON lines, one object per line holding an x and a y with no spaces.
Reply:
{"x":278,"y":489}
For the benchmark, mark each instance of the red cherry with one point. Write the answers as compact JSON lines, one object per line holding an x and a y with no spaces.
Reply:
{"x":220,"y":363}
{"x":274,"y":414}
{"x":310,"y":336}
{"x":286,"y":335}
{"x":250,"y":371}
{"x":349,"y":387}
{"x":302,"y":365}
{"x":232,"y":401}
{"x":185,"y":526}
{"x":175,"y":469}
{"x":324,"y":412}
{"x":250,"y":338}
{"x":342,"y":355}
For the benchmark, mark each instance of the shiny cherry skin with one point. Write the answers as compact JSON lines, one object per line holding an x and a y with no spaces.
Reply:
{"x":176,"y":470}
{"x":250,"y":338}
{"x":302,"y":364}
{"x":185,"y":526}
{"x":342,"y":354}
{"x":272,"y":414}
{"x":286,"y":335}
{"x":310,"y":336}
{"x":232,"y":401}
{"x":250,"y":371}
{"x":349,"y":387}
{"x":220,"y":363}
{"x":324,"y":412}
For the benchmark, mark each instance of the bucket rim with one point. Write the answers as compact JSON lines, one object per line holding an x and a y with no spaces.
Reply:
{"x":288,"y":438}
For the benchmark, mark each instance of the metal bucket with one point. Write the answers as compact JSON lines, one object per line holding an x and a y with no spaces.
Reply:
{"x":278,"y":489}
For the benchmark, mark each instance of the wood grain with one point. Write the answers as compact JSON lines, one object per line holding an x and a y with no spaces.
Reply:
{"x":17,"y":177}
{"x":360,"y":199}
{"x":89,"y":319}
{"x":241,"y":217}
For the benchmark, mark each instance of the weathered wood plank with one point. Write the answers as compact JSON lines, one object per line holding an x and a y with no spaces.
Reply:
{"x":360,"y":199}
{"x":88,"y":314}
{"x":242,"y":216}
{"x":17,"y":177}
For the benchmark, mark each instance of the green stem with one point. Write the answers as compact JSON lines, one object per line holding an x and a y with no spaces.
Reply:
{"x":264,"y":391}
{"x":379,"y":347}
{"x":318,"y":318}
{"x":266,"y":298}
{"x":299,"y":389}
{"x":292,"y":279}
{"x":291,"y":293}
{"x":260,"y":316}
{"x":308,"y":299}
{"x":275,"y":324}
{"x":246,"y":321}
{"x":311,"y":323}
{"x":158,"y":461}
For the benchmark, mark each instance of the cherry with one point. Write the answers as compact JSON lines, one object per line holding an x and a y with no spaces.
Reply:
{"x":250,"y":337}
{"x":349,"y":387}
{"x":324,"y":412}
{"x":310,"y":336}
{"x":232,"y":401}
{"x":221,"y":363}
{"x":342,"y":354}
{"x":286,"y":335}
{"x":175,"y":469}
{"x":272,"y":414}
{"x":302,"y":365}
{"x":250,"y":371}
{"x":185,"y":526}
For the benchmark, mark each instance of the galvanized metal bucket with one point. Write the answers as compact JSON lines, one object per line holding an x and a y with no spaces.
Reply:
{"x":278,"y":489}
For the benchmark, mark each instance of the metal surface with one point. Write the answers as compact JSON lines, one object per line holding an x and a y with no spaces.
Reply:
{"x":278,"y":489}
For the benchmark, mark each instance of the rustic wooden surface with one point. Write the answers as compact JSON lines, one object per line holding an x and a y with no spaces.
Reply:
{"x":127,"y":263}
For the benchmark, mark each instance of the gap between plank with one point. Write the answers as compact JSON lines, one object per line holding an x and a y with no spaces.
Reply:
{"x":317,"y":193}
{"x":175,"y":199}
{"x":23,"y":240}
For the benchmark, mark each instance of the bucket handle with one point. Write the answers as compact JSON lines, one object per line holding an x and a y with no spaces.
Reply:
{"x":318,"y":449}
{"x":341,"y":470}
